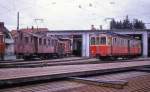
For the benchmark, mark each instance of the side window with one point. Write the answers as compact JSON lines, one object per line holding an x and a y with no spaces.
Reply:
{"x":134,"y":43}
{"x":122,"y":41}
{"x":40,"y":41}
{"x":26,"y":39}
{"x":103,"y":40}
{"x":131,"y":43}
{"x":118,"y":41}
{"x":125,"y":42}
{"x":44,"y":41}
{"x":21,"y":36}
{"x":52,"y":42}
{"x":31,"y":39}
{"x":114,"y":41}
{"x":139,"y":44}
{"x":93,"y":41}
{"x":49,"y":41}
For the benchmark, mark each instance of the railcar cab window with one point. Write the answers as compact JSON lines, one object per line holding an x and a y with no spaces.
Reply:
{"x":109,"y":40}
{"x":97,"y":41}
{"x":103,"y":40}
{"x":92,"y":40}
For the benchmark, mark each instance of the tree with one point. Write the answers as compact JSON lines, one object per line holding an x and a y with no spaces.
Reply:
{"x":127,"y":24}
{"x":119,"y":25}
{"x":137,"y":24}
{"x":112,"y":24}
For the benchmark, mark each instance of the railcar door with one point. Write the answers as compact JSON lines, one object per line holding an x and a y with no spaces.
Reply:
{"x":2,"y":47}
{"x":128,"y":47}
{"x":97,"y":38}
{"x":36,"y":44}
{"x":55,"y":44}
{"x":111,"y":45}
{"x":61,"y":48}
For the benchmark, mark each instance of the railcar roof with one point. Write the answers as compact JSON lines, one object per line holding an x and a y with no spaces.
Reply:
{"x":120,"y":35}
{"x":64,"y":38}
{"x":37,"y":35}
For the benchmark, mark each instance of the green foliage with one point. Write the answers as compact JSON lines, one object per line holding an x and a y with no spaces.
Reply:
{"x":127,"y":24}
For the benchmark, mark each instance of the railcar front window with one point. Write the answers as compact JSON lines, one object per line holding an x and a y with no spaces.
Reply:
{"x":97,"y":41}
{"x":103,"y":40}
{"x":92,"y":41}
{"x":109,"y":41}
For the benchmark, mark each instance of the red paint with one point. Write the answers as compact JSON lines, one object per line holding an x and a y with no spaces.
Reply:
{"x":2,"y":44}
{"x":115,"y":49}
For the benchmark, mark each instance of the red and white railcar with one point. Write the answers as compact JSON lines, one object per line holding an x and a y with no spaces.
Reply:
{"x":105,"y":45}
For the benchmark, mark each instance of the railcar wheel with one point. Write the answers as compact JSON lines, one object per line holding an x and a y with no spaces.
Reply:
{"x":26,"y":58}
{"x":97,"y":56}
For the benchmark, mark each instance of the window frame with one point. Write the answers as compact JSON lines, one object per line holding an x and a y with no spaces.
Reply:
{"x":40,"y":41}
{"x":93,"y":41}
{"x":102,"y":41}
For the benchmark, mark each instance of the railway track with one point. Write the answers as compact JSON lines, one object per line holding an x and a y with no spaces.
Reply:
{"x":124,"y":81}
{"x":38,"y":60}
{"x":41,"y":63}
{"x":56,"y":62}
{"x":106,"y":77}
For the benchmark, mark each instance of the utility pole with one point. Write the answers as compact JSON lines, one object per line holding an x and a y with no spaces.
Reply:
{"x":17,"y":20}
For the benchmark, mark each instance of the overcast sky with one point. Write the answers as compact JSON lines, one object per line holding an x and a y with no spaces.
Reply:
{"x":71,"y":14}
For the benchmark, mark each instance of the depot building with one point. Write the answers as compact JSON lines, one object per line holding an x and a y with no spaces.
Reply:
{"x":81,"y":40}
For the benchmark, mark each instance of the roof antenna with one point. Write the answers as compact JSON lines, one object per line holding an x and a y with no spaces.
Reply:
{"x":17,"y":20}
{"x":37,"y":21}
